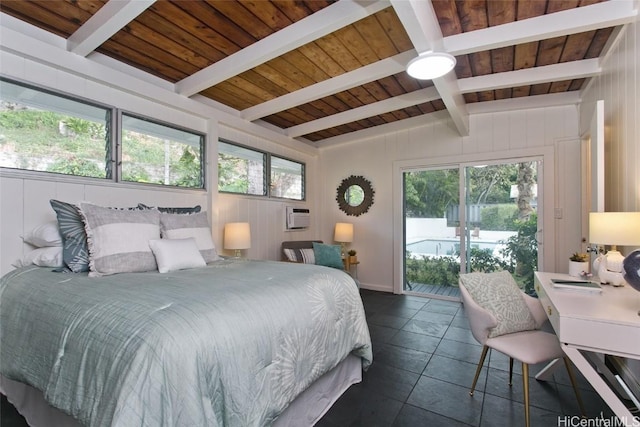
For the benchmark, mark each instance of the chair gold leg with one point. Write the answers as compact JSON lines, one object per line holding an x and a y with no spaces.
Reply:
{"x":511,"y":371}
{"x":572,"y":377}
{"x":525,"y":387}
{"x":478,"y":369}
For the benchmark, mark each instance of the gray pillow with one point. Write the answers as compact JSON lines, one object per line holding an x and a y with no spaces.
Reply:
{"x":119,"y":239}
{"x":177,"y":226}
{"x":75,"y":253}
{"x":499,"y":294}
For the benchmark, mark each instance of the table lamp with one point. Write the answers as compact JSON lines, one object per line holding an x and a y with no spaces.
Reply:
{"x":613,"y":228}
{"x":237,"y":236}
{"x":343,"y":234}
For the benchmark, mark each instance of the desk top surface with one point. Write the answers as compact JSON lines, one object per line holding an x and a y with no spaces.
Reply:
{"x":618,"y":305}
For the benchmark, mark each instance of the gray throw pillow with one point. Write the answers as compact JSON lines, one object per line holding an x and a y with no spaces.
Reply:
{"x":179,"y":226}
{"x":118,"y":240}
{"x":75,"y":253}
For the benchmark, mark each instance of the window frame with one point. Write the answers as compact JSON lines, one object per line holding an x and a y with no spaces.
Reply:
{"x":118,"y":149}
{"x":110,"y":156}
{"x":113,"y":157}
{"x":266,"y":172}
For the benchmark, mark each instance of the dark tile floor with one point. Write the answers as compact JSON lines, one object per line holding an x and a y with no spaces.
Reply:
{"x":424,"y":361}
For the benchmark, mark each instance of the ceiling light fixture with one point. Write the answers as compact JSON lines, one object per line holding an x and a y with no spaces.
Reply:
{"x":430,"y":65}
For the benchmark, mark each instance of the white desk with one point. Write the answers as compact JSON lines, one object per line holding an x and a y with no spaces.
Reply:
{"x":604,"y":323}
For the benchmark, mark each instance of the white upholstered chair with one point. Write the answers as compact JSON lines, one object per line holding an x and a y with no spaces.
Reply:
{"x":528,"y":346}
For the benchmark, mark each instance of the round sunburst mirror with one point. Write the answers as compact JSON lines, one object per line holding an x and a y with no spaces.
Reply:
{"x":355,"y":195}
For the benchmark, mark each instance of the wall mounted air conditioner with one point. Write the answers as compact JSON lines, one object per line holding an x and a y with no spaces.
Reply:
{"x":297,"y":218}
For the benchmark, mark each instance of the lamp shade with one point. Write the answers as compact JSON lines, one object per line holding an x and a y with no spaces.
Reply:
{"x":430,"y":65}
{"x":343,"y":232}
{"x":237,"y":235}
{"x":614,"y":228}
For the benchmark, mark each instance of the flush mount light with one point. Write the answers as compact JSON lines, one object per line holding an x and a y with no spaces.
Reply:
{"x":431,"y":65}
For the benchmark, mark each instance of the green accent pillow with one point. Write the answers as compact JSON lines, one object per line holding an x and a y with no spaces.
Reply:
{"x":499,"y":294}
{"x":328,"y":255}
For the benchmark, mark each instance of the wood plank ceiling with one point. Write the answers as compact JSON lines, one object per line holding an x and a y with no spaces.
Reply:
{"x":321,"y":69}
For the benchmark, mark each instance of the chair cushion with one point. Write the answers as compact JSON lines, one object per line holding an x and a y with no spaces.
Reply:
{"x":529,"y":346}
{"x":499,"y":294}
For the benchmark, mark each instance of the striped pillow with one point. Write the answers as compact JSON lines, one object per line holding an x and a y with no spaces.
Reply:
{"x":305,"y":256}
{"x":180,"y":226}
{"x":118,"y":240}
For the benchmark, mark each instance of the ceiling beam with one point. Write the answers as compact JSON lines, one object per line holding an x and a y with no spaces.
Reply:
{"x":525,"y":102}
{"x":357,"y":77}
{"x":581,"y":19}
{"x":107,"y":21}
{"x":421,"y":23}
{"x":315,"y":26}
{"x":396,"y":103}
{"x":530,"y":76}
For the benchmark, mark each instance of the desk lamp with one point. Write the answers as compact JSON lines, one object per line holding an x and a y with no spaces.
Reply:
{"x":343,"y":234}
{"x":613,"y":228}
{"x":237,"y":236}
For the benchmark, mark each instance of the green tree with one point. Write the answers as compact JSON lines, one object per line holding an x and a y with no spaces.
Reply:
{"x":77,"y":166}
{"x":429,"y":193}
{"x":522,"y":251}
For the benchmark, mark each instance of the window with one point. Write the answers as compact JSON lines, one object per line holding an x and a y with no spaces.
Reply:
{"x":41,"y":131}
{"x":247,"y":171}
{"x":48,"y":132}
{"x":287,"y":178}
{"x":161,"y":154}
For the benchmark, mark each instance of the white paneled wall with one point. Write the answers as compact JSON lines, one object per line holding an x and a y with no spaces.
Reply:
{"x":496,"y":135}
{"x":267,"y":216}
{"x":619,"y":87}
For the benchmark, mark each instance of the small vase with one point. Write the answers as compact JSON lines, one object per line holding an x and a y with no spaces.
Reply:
{"x":353,"y":259}
{"x":577,"y":268}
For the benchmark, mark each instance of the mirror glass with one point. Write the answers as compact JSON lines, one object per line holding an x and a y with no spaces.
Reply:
{"x":354,"y":195}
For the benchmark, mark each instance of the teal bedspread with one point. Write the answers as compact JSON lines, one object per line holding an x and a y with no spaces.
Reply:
{"x":227,"y":345}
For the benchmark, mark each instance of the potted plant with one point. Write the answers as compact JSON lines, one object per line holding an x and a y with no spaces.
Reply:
{"x":352,"y":256}
{"x":578,"y":264}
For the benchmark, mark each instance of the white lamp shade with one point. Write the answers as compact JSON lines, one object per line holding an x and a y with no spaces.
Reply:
{"x":614,"y":228}
{"x":431,"y":65}
{"x":343,"y":232}
{"x":237,"y":235}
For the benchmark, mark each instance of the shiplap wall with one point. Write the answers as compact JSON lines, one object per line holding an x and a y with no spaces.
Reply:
{"x":619,"y":87}
{"x":267,"y":216}
{"x":492,"y":135}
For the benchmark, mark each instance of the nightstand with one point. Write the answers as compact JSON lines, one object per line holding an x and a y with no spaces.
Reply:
{"x":351,"y":266}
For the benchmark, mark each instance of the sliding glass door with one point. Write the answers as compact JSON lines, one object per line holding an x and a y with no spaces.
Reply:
{"x":470,"y":217}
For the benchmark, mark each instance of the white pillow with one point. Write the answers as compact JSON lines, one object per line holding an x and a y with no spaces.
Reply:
{"x":179,"y":226}
{"x":44,"y":257}
{"x":44,"y":235}
{"x":176,"y":254}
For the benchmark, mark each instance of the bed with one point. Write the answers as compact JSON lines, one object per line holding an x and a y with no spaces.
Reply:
{"x":235,"y":343}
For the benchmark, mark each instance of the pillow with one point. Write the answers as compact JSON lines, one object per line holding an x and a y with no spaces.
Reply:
{"x":175,"y":226}
{"x":176,"y":254}
{"x":50,"y":256}
{"x":499,"y":294}
{"x":305,"y":256}
{"x":118,"y":239}
{"x":194,"y":209}
{"x":44,"y":235}
{"x":328,"y":255}
{"x":75,"y":253}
